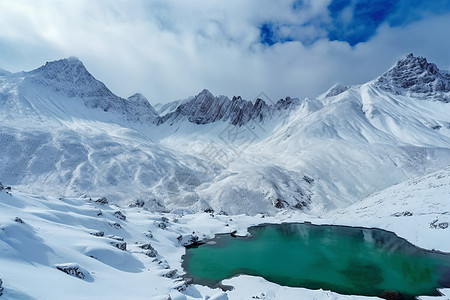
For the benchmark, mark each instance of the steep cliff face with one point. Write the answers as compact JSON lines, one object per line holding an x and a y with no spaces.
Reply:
{"x":416,"y":77}
{"x":205,"y":108}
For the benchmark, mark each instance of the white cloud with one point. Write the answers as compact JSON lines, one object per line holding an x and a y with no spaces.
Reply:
{"x":173,"y":49}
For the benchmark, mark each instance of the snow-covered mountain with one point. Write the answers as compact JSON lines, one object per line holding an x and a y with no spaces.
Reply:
{"x":373,"y":155}
{"x":205,"y":108}
{"x":416,"y":77}
{"x":64,"y":133}
{"x":56,"y":90}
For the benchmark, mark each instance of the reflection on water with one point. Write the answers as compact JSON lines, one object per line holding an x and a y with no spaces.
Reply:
{"x":346,"y":260}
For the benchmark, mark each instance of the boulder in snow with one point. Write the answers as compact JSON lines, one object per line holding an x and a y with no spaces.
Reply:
{"x":118,"y":214}
{"x":115,"y":237}
{"x":115,"y":225}
{"x":190,"y":239}
{"x":101,"y":201}
{"x":75,"y":270}
{"x":119,"y":245}
{"x":137,"y":203}
{"x":171,"y":274}
{"x":150,"y":251}
{"x":97,"y":233}
{"x":18,"y":220}
{"x":2,"y":187}
{"x":436,"y":225}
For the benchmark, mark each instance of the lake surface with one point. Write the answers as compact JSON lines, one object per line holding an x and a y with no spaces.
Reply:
{"x":347,"y":260}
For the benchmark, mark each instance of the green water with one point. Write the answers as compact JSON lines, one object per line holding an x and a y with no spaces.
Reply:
{"x":346,"y":260}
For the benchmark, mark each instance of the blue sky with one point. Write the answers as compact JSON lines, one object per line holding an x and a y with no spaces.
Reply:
{"x":173,"y":49}
{"x":352,"y":21}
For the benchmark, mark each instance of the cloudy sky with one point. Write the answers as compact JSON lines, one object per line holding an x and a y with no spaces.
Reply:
{"x":170,"y":50}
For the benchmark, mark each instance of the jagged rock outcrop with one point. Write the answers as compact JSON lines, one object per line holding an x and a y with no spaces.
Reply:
{"x":6,"y":188}
{"x":149,"y":250}
{"x":118,"y":214}
{"x":415,"y":76}
{"x":75,"y":270}
{"x":205,"y":108}
{"x":119,"y":245}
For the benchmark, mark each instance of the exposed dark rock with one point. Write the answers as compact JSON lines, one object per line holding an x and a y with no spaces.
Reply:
{"x":118,"y":214}
{"x":137,"y":203}
{"x":149,"y":234}
{"x":115,"y":225}
{"x":150,"y":251}
{"x":6,"y":188}
{"x":115,"y":237}
{"x":170,"y":274}
{"x":392,"y":295}
{"x":1,"y":288}
{"x":279,"y":203}
{"x":434,"y":224}
{"x":206,"y":108}
{"x":308,"y":179}
{"x":162,"y":225}
{"x":18,"y":220}
{"x":165,"y":220}
{"x":403,"y":214}
{"x":189,"y":240}
{"x":73,"y":270}
{"x":443,"y":225}
{"x":417,"y":77}
{"x":183,"y":284}
{"x":119,"y":245}
{"x":97,"y":233}
{"x":102,"y":201}
{"x":301,"y":205}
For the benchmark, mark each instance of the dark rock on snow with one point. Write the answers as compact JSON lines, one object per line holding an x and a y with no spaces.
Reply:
{"x":119,"y":245}
{"x":97,"y":233}
{"x":118,"y":214}
{"x":18,"y":220}
{"x":74,"y":270}
{"x":102,"y":201}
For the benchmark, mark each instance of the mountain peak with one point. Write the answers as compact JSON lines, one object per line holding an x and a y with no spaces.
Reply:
{"x":416,"y":76}
{"x":64,"y":70}
{"x":137,"y":97}
{"x":69,"y":76}
{"x":205,"y":93}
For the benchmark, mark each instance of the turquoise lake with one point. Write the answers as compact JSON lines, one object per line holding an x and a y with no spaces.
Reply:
{"x":347,"y":260}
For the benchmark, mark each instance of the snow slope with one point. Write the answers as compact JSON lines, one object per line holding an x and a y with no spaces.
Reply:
{"x":63,"y":133}
{"x":39,"y":236}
